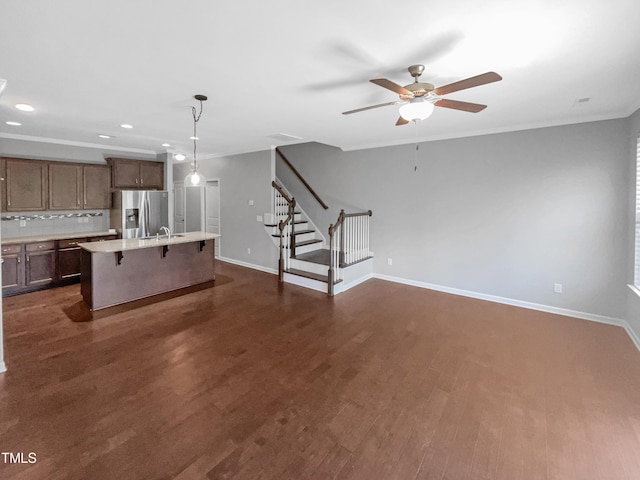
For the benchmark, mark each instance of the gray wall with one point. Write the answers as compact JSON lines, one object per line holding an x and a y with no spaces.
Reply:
{"x":242,"y":178}
{"x":633,"y":301}
{"x":506,"y":214}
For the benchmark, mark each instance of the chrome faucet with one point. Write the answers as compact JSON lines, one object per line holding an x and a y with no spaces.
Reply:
{"x":167,"y":231}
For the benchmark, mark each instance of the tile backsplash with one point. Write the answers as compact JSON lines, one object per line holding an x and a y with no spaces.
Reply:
{"x":46,"y":226}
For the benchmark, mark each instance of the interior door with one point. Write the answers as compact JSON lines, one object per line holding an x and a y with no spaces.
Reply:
{"x":178,"y":207}
{"x":212,"y":210}
{"x":194,"y":209}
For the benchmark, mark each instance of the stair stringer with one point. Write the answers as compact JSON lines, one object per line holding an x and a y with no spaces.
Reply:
{"x":352,"y":276}
{"x":308,"y":225}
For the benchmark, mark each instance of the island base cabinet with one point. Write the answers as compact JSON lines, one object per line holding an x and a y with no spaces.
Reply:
{"x":114,"y":278}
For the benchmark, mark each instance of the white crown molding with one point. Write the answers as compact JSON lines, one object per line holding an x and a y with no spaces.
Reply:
{"x":488,"y":131}
{"x":72,"y":143}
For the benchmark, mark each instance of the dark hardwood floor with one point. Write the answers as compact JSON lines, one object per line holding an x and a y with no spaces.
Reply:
{"x":248,"y":380}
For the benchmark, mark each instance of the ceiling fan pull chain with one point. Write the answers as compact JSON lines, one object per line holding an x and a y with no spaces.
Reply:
{"x":415,"y":166}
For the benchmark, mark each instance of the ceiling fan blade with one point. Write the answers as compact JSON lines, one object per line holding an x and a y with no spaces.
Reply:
{"x":457,"y":105}
{"x":389,"y":85}
{"x":476,"y":81}
{"x":371,"y":106}
{"x":401,"y":121}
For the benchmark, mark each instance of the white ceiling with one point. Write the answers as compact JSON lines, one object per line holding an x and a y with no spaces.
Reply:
{"x":292,"y":67}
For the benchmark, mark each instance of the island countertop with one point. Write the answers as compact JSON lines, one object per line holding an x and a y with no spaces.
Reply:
{"x":125,"y":244}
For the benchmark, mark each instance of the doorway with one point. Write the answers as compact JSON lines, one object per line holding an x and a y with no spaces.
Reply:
{"x":212,"y":210}
{"x":197,"y":209}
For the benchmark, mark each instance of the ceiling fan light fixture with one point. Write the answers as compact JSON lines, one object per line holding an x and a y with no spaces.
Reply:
{"x":416,"y":109}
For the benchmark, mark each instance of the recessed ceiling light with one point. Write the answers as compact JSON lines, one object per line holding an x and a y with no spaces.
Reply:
{"x":102,"y":135}
{"x":166,"y":145}
{"x":194,"y":138}
{"x":15,"y":124}
{"x":24,"y":107}
{"x":126,"y":125}
{"x":179,"y":157}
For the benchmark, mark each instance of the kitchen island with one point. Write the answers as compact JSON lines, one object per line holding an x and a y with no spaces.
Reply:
{"x":120,"y":271}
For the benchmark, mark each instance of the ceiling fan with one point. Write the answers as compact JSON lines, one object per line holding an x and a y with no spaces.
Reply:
{"x":418,"y":99}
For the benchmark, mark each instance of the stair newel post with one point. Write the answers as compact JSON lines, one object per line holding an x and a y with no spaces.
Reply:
{"x":331,"y":262}
{"x":281,"y":226}
{"x":292,"y":212}
{"x":341,"y":222}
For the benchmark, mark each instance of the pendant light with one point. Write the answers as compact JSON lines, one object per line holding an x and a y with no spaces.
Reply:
{"x":195,"y":178}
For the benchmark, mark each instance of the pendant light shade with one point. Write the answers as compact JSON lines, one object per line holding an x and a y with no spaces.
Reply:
{"x":416,"y":109}
{"x":195,"y":178}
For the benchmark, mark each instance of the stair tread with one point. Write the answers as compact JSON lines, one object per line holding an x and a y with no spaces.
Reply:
{"x":301,"y":232}
{"x":308,"y":242}
{"x":322,"y":256}
{"x":275,"y":224}
{"x":313,"y":276}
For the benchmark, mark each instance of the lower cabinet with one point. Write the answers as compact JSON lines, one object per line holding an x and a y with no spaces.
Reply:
{"x":12,"y":268}
{"x":34,"y":266}
{"x":69,"y":256}
{"x":40,"y":264}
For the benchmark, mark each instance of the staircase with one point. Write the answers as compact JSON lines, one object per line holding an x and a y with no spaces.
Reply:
{"x":306,"y":258}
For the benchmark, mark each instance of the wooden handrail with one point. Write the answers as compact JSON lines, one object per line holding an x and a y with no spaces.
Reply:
{"x":280,"y":191}
{"x":368,"y":213}
{"x":291,"y":211}
{"x":301,"y":178}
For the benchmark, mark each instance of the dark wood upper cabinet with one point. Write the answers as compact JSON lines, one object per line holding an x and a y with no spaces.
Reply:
{"x":152,"y":175}
{"x":96,"y":182}
{"x":65,"y":186}
{"x":128,"y":173}
{"x":26,"y":185}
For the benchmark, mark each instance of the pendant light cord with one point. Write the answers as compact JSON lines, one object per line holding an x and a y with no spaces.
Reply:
{"x":195,"y":136}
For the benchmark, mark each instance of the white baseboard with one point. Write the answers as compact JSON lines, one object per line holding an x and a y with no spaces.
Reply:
{"x":352,"y":284}
{"x":248,"y":265}
{"x":519,"y":303}
{"x":3,"y":367}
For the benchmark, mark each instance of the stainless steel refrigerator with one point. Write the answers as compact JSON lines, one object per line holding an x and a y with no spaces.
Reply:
{"x":139,"y":213}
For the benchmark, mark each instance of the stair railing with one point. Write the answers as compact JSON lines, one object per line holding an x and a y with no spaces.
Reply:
{"x":301,"y":178}
{"x":348,"y":243}
{"x":286,"y":226}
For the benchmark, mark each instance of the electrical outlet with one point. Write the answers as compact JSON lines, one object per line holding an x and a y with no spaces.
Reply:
{"x":557,"y":288}
{"x":389,"y":261}
{"x":251,"y":203}
{"x":249,"y":251}
{"x":23,"y":223}
{"x":259,"y":218}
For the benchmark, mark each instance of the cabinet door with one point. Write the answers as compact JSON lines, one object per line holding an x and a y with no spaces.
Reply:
{"x":69,"y":261}
{"x":26,"y":183}
{"x":12,"y":271}
{"x":40,"y":267}
{"x":125,"y":173}
{"x":152,"y":175}
{"x":65,"y":186}
{"x":97,"y":186}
